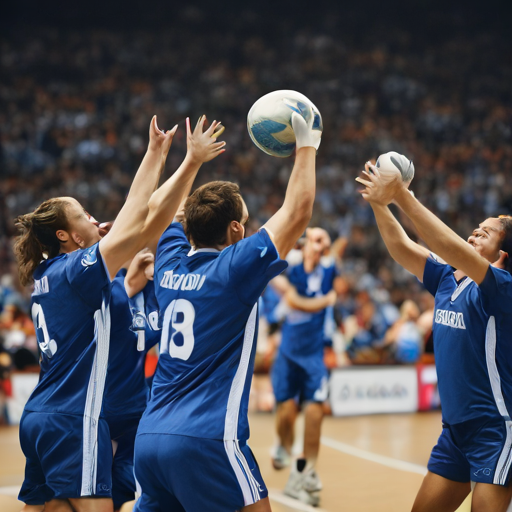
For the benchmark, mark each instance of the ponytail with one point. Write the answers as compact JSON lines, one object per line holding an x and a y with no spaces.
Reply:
{"x":38,"y":239}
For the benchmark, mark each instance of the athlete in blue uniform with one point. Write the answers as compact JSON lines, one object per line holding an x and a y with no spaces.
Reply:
{"x":65,"y":439}
{"x":191,"y":451}
{"x":299,"y":371}
{"x":134,"y":330}
{"x":472,"y":336}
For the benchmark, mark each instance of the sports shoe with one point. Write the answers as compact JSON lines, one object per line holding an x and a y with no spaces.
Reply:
{"x":281,"y":458}
{"x":312,"y":481}
{"x":296,"y":487}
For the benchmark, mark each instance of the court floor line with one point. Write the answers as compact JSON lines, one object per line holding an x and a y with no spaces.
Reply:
{"x":11,"y":490}
{"x":374,"y":457}
{"x":276,"y":495}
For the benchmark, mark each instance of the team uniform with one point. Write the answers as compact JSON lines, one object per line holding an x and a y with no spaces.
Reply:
{"x":299,"y":370}
{"x":134,"y":330}
{"x":472,"y":326}
{"x":191,"y":450}
{"x":65,"y":440}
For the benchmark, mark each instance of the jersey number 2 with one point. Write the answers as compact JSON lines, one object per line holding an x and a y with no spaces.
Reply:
{"x":179,"y":316}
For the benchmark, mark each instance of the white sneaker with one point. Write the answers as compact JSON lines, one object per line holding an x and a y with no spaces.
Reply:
{"x":296,"y":487}
{"x":312,"y":481}
{"x":281,"y":458}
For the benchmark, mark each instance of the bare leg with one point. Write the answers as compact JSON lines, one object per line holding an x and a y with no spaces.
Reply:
{"x":58,"y":506}
{"x":260,"y":506}
{"x":128,"y":506}
{"x":285,"y":423}
{"x":438,"y":494}
{"x":314,"y":414}
{"x":491,"y":498}
{"x":33,"y":508}
{"x":92,"y":504}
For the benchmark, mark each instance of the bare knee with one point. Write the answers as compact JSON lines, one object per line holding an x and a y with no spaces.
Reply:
{"x":58,"y":506}
{"x":314,"y":412}
{"x":32,"y":508}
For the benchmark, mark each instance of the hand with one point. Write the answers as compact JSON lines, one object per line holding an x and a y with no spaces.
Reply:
{"x":143,"y":260}
{"x":203,"y":146}
{"x":305,"y":136}
{"x":379,"y":189}
{"x":160,"y":140}
{"x":105,"y":227}
{"x":332,"y":297}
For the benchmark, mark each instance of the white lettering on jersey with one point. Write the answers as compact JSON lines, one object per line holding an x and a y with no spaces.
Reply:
{"x":190,"y":282}
{"x":41,"y":286}
{"x":450,"y":318}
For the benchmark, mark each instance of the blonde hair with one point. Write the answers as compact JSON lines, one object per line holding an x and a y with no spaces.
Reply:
{"x":38,"y":238}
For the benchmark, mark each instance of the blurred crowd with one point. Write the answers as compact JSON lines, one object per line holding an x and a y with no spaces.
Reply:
{"x":75,"y":107}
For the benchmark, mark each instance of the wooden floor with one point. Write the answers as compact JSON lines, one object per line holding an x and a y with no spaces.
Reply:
{"x":367,"y":463}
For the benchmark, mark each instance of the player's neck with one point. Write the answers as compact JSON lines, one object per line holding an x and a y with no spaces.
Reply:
{"x":309,"y":266}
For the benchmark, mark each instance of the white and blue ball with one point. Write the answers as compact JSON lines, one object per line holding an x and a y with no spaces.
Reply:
{"x":393,"y":163}
{"x":270,"y":121}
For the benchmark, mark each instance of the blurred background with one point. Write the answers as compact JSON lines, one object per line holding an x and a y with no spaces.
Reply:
{"x":429,"y":79}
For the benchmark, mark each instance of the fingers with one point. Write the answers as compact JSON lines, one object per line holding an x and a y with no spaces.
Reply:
{"x":364,"y":182}
{"x":372,"y":168}
{"x":219,"y":132}
{"x":189,"y":131}
{"x":199,"y":125}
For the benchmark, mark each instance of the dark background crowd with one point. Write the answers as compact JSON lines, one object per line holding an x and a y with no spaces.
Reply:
{"x":78,"y":88}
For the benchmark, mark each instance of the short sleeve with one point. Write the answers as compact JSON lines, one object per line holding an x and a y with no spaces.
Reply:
{"x":172,"y":243}
{"x":254,"y":262}
{"x":87,"y":274}
{"x":434,"y":273}
{"x":496,"y":290}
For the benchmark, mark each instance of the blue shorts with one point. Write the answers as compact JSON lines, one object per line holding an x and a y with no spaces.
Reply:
{"x":479,"y":450}
{"x":306,"y":380}
{"x":59,"y":463}
{"x":180,"y":473}
{"x":123,"y":430}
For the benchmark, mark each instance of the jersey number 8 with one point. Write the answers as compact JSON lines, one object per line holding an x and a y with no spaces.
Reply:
{"x":179,"y":315}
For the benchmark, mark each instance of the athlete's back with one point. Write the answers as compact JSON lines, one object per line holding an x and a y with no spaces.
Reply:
{"x":208,"y":302}
{"x":70,"y":308}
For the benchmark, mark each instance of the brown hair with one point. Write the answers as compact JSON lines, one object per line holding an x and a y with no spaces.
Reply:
{"x":210,"y":210}
{"x":38,"y":237}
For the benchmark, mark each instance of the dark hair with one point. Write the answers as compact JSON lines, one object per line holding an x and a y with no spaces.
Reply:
{"x":210,"y":210}
{"x":506,"y":244}
{"x":38,"y":237}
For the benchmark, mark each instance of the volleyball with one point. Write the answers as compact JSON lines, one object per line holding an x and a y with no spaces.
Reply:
{"x":393,"y":162}
{"x":269,"y":121}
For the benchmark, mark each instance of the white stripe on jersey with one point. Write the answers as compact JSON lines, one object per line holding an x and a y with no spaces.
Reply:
{"x":245,"y":480}
{"x":94,"y":400}
{"x":505,"y":460}
{"x":460,"y":288}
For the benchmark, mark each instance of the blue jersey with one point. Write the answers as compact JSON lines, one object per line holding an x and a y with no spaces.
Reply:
{"x":126,"y":391}
{"x":70,"y":309}
{"x":303,"y":333}
{"x":472,"y":342}
{"x":208,"y":305}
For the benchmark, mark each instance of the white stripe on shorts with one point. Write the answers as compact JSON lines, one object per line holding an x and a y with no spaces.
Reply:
{"x":233,"y":411}
{"x":94,"y":400}
{"x":503,"y":466}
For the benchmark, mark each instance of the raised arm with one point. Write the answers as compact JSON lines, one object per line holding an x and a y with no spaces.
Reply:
{"x":123,"y":241}
{"x":437,"y":235}
{"x":289,"y":222}
{"x":166,"y":200}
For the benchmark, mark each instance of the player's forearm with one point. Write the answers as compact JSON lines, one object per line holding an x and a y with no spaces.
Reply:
{"x":401,"y":248}
{"x":166,"y":200}
{"x":300,"y":193}
{"x":307,"y":304}
{"x":441,"y":239}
